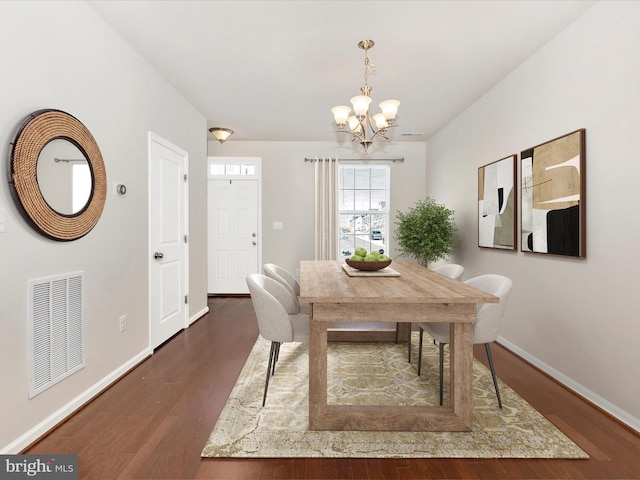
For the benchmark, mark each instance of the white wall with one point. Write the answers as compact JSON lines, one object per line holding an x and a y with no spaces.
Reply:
{"x":288,"y":189}
{"x":575,"y":318}
{"x":62,"y":55}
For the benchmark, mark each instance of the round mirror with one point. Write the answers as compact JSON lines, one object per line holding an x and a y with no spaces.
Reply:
{"x":48,"y":145}
{"x":64,"y":177}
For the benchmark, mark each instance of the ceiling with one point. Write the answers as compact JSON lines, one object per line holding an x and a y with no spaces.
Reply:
{"x":272,"y":70}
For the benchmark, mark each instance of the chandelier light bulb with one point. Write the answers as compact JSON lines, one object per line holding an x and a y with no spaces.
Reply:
{"x":380,"y":121}
{"x":389,"y":109}
{"x":360,"y":105}
{"x":354,"y":124}
{"x":340,"y":114}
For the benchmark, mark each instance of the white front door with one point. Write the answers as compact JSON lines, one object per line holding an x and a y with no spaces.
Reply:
{"x":168,"y":250}
{"x":233,"y":234}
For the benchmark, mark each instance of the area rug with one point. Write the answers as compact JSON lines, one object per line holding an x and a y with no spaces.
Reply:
{"x":373,"y":373}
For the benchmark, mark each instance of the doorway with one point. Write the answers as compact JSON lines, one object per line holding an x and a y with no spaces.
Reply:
{"x":233,"y":223}
{"x":168,"y":247}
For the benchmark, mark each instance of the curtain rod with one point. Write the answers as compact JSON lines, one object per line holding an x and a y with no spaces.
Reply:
{"x":394,"y":160}
{"x":58,"y":160}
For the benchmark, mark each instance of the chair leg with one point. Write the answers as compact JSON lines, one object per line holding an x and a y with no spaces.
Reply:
{"x":409,"y":344}
{"x":441,"y":346}
{"x":420,"y":350}
{"x":493,"y":373}
{"x":276,"y":357}
{"x":272,"y":353}
{"x":397,"y":328}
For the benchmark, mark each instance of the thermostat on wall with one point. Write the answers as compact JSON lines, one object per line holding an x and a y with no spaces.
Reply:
{"x":119,"y":188}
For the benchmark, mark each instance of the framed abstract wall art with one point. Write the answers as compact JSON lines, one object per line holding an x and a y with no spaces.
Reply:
{"x":553,"y":197}
{"x":497,"y":204}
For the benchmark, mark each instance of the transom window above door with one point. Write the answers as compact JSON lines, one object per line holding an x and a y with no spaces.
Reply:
{"x":233,"y":169}
{"x":363,"y":207}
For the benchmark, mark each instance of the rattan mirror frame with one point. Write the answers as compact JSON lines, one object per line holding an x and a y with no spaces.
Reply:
{"x":37,"y":130}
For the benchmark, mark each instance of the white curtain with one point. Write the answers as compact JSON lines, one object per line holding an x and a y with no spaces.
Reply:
{"x":326,"y":170}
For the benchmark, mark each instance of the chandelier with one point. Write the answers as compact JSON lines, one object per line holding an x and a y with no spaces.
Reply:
{"x":362,"y":125}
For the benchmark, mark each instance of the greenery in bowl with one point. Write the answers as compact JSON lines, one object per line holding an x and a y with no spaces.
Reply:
{"x":426,"y":231}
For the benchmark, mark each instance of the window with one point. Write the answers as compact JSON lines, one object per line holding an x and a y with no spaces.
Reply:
{"x":231,"y":170}
{"x":234,"y":167}
{"x":363,"y":207}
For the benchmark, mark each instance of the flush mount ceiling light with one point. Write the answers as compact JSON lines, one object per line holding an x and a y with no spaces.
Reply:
{"x":362,"y":125}
{"x":221,"y":134}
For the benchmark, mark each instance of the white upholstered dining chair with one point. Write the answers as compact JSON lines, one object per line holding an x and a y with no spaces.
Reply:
{"x":286,"y":278}
{"x":278,"y":318}
{"x":451,"y":270}
{"x":486,"y":328}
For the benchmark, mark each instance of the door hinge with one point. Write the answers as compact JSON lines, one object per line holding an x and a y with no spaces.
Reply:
{"x":185,"y":177}
{"x":186,"y":297}
{"x":185,"y":239}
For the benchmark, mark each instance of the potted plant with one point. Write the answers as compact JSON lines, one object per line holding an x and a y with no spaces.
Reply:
{"x":425,"y":232}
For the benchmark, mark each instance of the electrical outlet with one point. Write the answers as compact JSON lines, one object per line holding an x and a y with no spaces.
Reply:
{"x":123,"y":323}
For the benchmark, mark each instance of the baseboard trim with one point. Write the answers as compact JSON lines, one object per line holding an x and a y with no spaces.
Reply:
{"x":608,"y":407}
{"x":54,"y":419}
{"x":199,"y":315}
{"x":64,"y":412}
{"x":61,"y":414}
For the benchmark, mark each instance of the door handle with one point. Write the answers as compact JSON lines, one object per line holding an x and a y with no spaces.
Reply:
{"x":158,"y":255}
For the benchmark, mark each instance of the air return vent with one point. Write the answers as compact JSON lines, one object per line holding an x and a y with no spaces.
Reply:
{"x":56,"y":320}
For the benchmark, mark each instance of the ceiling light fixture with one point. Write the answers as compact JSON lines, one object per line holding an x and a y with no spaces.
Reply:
{"x":362,"y":125}
{"x":221,"y":134}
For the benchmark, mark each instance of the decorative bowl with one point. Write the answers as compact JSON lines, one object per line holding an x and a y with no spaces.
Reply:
{"x":367,"y":266}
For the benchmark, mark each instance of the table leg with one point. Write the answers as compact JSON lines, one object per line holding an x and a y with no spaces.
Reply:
{"x":461,"y":371}
{"x":317,"y":372}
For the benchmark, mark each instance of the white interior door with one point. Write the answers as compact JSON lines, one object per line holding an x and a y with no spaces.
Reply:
{"x":168,"y":249}
{"x":233,"y":234}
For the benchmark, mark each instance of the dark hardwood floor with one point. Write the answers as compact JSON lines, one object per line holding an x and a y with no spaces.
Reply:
{"x":154,"y":422}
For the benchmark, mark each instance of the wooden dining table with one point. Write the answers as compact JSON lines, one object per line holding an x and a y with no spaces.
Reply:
{"x":404,"y":292}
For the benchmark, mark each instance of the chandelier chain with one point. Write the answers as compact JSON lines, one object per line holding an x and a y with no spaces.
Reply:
{"x":369,"y":68}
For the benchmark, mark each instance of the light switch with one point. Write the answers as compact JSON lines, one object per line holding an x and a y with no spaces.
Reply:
{"x":277,"y":225}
